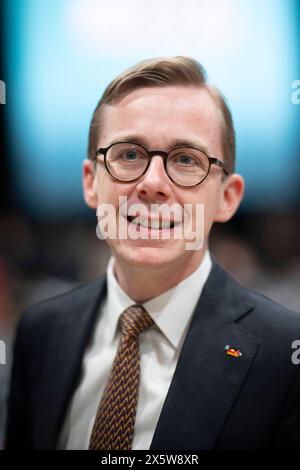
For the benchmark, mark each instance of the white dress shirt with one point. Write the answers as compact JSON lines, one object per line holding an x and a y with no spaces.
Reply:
{"x":160,"y":348}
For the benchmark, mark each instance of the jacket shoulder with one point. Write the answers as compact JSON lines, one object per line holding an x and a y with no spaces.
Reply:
{"x":253,"y":308}
{"x":38,"y":317}
{"x":271,"y":317}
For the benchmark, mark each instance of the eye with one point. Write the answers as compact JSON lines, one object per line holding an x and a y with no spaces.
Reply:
{"x":130,"y":155}
{"x":186,"y":160}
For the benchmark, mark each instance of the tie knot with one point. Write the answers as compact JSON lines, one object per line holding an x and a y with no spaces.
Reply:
{"x":134,"y":320}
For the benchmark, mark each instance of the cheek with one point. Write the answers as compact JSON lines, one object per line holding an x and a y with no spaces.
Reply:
{"x":104,"y":191}
{"x":212,"y":204}
{"x":109,"y":190}
{"x":209,"y":198}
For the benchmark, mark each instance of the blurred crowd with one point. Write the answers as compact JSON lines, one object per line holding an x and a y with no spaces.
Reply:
{"x":38,"y":261}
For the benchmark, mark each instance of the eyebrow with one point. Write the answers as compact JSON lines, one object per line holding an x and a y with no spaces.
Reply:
{"x":184,"y":142}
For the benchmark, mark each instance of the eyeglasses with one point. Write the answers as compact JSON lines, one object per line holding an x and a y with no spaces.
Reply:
{"x":185,"y":166}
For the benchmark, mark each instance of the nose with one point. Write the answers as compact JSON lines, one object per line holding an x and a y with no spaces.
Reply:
{"x":155,"y":183}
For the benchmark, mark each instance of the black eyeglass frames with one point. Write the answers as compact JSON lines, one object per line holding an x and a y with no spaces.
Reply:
{"x":186,"y":166}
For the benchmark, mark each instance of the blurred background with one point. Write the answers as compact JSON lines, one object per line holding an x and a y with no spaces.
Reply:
{"x":56,"y":59}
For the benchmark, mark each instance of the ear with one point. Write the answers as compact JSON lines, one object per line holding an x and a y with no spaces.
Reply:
{"x":89,"y":184}
{"x":231,"y":197}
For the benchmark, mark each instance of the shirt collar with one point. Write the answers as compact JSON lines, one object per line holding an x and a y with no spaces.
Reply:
{"x":179,"y":301}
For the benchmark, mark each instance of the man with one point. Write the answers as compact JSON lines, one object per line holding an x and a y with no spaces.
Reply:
{"x":167,"y":351}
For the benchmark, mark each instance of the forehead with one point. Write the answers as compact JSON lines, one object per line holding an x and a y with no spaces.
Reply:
{"x":164,"y":114}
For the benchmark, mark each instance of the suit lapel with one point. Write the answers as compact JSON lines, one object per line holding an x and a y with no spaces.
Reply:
{"x":207,"y":380}
{"x":62,"y":368}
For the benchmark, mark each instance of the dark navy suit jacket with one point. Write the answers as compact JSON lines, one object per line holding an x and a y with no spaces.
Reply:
{"x":215,"y":401}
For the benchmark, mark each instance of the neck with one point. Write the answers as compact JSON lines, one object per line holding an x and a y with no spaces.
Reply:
{"x":144,"y":283}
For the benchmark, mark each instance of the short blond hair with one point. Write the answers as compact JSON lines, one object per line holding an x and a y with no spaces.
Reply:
{"x":159,"y":72}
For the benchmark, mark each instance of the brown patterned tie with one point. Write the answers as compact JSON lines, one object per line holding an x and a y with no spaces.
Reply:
{"x":114,"y":424}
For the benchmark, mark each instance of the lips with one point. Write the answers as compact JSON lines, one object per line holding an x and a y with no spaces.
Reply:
{"x":157,"y":224}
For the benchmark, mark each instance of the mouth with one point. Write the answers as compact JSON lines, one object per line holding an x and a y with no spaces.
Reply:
{"x":152,"y":224}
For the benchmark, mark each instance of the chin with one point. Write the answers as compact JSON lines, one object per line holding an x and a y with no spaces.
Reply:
{"x":146,"y":256}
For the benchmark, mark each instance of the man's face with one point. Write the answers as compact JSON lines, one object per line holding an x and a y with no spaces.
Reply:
{"x":161,"y":117}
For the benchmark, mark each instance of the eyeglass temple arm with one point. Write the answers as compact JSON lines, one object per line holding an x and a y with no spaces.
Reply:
{"x":99,"y":152}
{"x":216,"y":161}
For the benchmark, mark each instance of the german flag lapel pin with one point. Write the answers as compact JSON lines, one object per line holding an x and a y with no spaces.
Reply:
{"x":232,"y":352}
